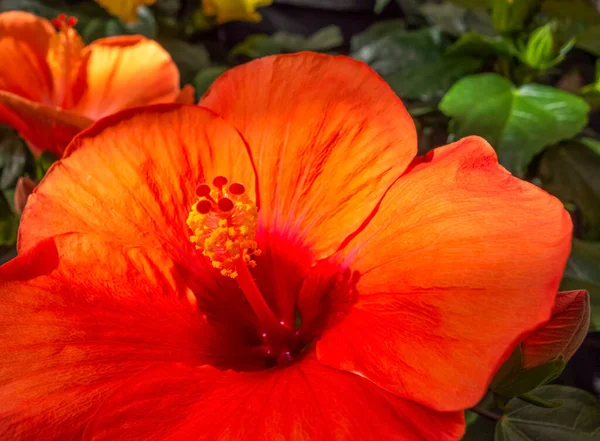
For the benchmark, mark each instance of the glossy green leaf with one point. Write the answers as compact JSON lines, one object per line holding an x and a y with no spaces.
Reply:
{"x":518,"y":122}
{"x":529,"y":379}
{"x":456,"y":20}
{"x":396,"y":49}
{"x":13,"y":157}
{"x":583,"y":272}
{"x":482,"y":429}
{"x":380,"y":5}
{"x":473,"y":44}
{"x":189,"y":58}
{"x":577,"y":419}
{"x":43,"y":163}
{"x":570,"y":172}
{"x":472,"y":4}
{"x":511,"y":15}
{"x":413,"y":63}
{"x":206,"y":77}
{"x":375,"y":33}
{"x":261,"y":45}
{"x":430,"y":80}
{"x":577,"y":19}
{"x":9,"y":223}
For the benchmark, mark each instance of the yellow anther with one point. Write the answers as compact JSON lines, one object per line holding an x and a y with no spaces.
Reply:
{"x":224,"y":236}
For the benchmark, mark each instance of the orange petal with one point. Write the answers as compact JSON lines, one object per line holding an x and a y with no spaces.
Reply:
{"x":459,"y":262}
{"x":44,"y":127}
{"x":305,"y":401}
{"x":80,"y":317}
{"x":563,"y":334}
{"x":24,"y":40}
{"x":328,"y":136}
{"x":123,"y":72}
{"x":132,"y":177}
{"x":187,"y":95}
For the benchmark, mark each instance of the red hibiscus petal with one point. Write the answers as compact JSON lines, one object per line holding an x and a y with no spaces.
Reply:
{"x":79,"y":317}
{"x":328,"y":137}
{"x":305,"y":401}
{"x":451,"y":277}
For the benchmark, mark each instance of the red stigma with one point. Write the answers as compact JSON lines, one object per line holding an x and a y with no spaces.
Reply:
{"x":203,"y":190}
{"x":62,"y":21}
{"x":225,"y":204}
{"x":220,"y":181}
{"x":237,"y":189}
{"x":204,"y":207}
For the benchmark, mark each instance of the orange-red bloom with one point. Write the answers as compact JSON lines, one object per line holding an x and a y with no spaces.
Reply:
{"x":333,"y":287}
{"x":52,"y":86}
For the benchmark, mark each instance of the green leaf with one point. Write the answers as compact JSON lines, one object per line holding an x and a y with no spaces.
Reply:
{"x":482,"y":429}
{"x":189,"y":58}
{"x":582,"y":273}
{"x":570,"y":172}
{"x":396,"y":49}
{"x":456,"y":20}
{"x":473,"y":44}
{"x":375,"y":33}
{"x":380,"y":5}
{"x":472,"y":4}
{"x":43,"y":163}
{"x":575,"y":420}
{"x":511,"y":15}
{"x":529,"y":379}
{"x":261,"y":45}
{"x":518,"y":122}
{"x":589,"y":40}
{"x":9,"y":223}
{"x":575,"y":19}
{"x":13,"y":157}
{"x":413,"y":63}
{"x":206,"y":77}
{"x":430,"y":80}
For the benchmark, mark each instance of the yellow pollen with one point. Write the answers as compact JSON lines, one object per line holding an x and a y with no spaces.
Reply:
{"x":223,"y":226}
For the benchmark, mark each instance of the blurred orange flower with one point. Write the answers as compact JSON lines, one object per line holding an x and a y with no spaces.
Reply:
{"x":273,"y":264}
{"x":126,"y":10}
{"x":234,"y":10}
{"x":52,"y":85}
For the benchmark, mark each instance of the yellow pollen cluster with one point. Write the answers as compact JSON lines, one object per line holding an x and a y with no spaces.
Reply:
{"x":225,"y":232}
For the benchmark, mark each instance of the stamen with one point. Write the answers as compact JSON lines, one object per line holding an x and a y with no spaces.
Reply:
{"x":64,"y":57}
{"x":223,"y":226}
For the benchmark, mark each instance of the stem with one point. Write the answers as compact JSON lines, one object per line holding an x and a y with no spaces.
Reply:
{"x":486,"y":413}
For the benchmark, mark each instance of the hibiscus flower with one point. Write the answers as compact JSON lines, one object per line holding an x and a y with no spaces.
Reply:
{"x":274,"y":264}
{"x":52,"y":86}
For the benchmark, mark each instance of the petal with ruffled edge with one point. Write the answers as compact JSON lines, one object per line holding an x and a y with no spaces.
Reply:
{"x":79,"y":317}
{"x":328,"y":137}
{"x":163,"y":152}
{"x":460,"y":260}
{"x":305,"y":401}
{"x":123,"y":72}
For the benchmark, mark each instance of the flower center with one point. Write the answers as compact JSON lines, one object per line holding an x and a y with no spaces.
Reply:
{"x":65,"y":54}
{"x":223,"y":221}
